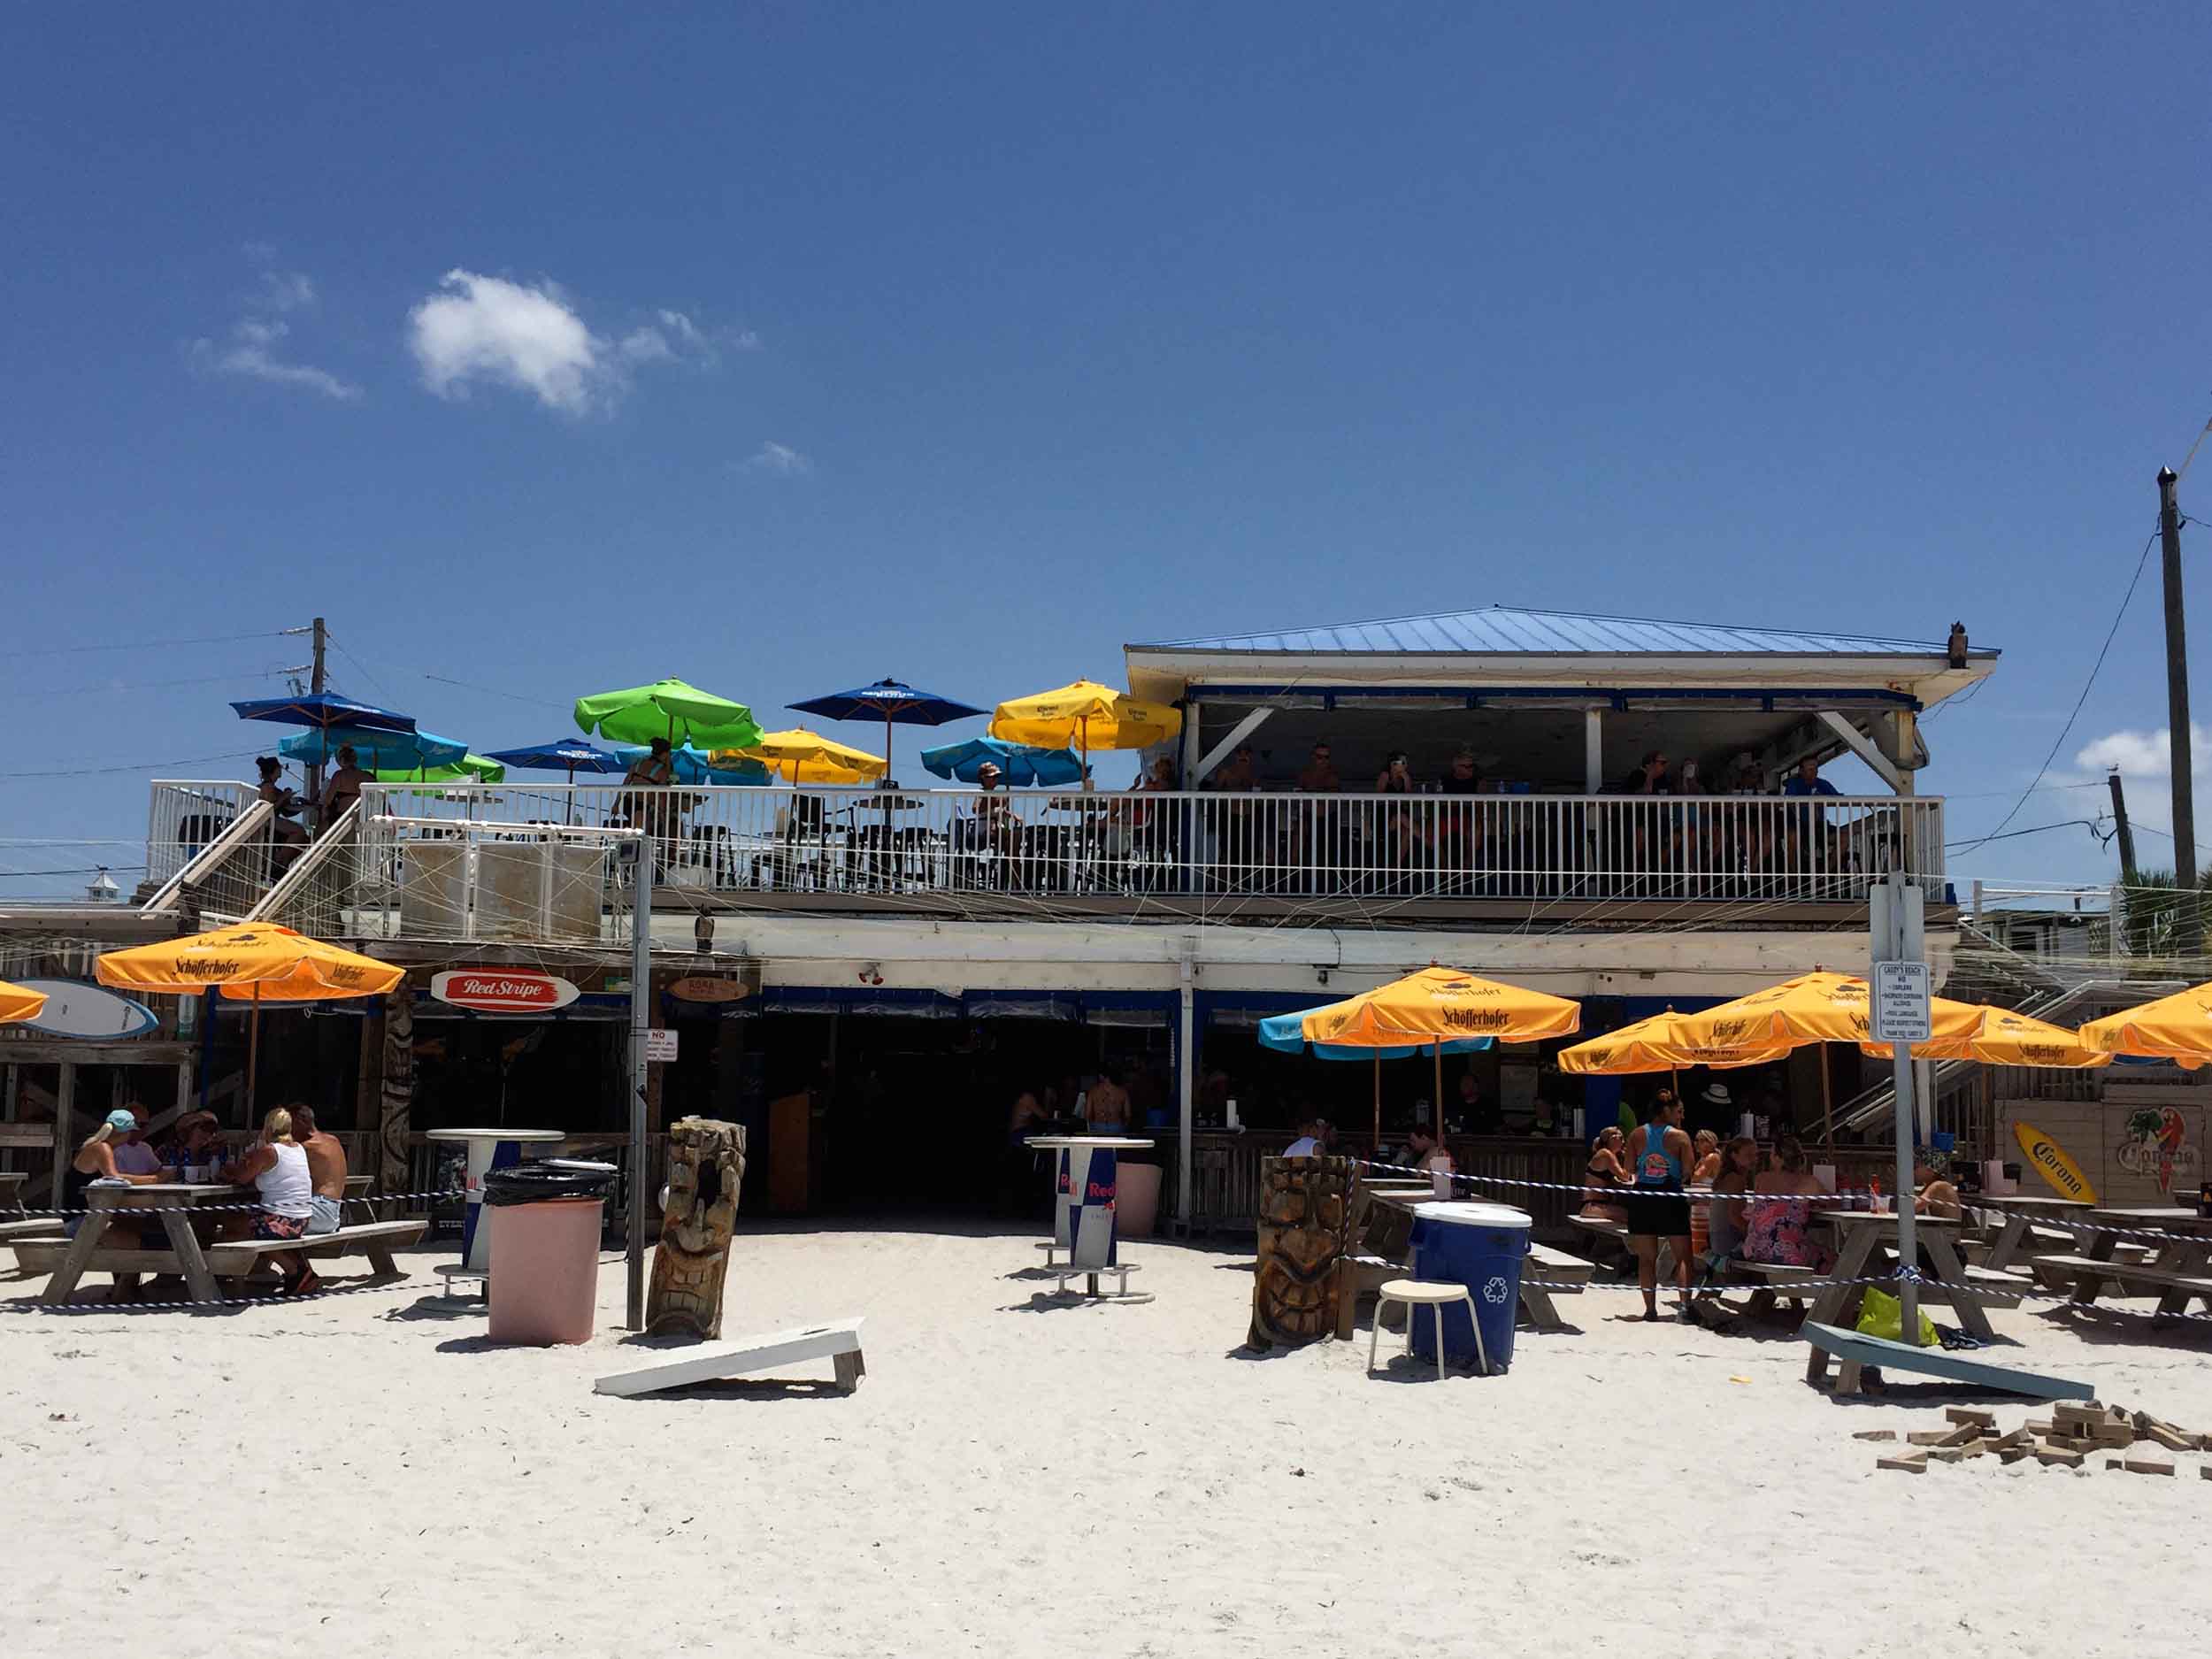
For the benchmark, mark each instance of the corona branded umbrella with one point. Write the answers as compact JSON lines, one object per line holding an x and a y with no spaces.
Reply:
{"x":892,"y":702}
{"x":1427,"y":1010}
{"x":249,"y":962}
{"x":2177,"y":1027}
{"x":19,"y":1002}
{"x":672,"y":708}
{"x":1087,"y":715}
{"x":803,"y":757}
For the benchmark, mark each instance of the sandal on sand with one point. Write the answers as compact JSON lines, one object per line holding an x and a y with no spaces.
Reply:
{"x":304,"y":1284}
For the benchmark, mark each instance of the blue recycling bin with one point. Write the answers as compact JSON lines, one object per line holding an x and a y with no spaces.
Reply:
{"x":1482,"y":1247}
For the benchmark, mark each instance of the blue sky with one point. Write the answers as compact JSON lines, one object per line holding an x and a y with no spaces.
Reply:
{"x":783,"y":347}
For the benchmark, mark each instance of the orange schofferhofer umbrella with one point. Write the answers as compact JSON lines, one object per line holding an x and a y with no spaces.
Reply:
{"x":252,"y":961}
{"x":1437,"y":1003}
{"x":2000,"y":1037}
{"x":1658,"y":1044}
{"x":2177,"y":1027}
{"x":20,"y":1001}
{"x":1812,"y":1008}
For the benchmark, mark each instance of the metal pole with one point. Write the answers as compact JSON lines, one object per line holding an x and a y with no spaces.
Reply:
{"x":1908,"y":1245}
{"x":1187,"y":1087}
{"x":641,"y":1023}
{"x":315,"y":772}
{"x":2189,"y":933}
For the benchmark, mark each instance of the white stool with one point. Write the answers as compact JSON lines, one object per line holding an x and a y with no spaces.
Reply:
{"x":1417,"y":1293}
{"x":1093,"y":1274}
{"x":1049,"y":1246}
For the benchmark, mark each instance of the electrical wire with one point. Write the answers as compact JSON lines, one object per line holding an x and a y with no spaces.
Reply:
{"x":2059,"y":743}
{"x":147,"y":645}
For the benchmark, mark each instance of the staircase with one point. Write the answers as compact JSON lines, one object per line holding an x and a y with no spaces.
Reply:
{"x":223,"y":881}
{"x":311,"y":897}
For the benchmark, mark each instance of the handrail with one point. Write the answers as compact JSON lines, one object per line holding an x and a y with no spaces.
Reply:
{"x":241,"y":830}
{"x":337,"y":838}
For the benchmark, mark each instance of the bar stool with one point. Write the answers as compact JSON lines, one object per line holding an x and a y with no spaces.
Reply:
{"x":1423,"y":1293}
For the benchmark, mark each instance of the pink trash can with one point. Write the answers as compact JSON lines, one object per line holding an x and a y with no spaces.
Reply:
{"x":545,"y":1270}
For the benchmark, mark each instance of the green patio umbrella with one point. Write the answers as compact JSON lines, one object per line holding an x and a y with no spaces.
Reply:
{"x":470,"y":768}
{"x":672,"y":708}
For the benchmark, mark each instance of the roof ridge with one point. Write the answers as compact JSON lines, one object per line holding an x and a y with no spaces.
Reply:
{"x":1577,"y":615}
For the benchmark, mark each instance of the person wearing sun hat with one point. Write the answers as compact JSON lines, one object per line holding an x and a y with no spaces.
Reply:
{"x":96,"y":1162}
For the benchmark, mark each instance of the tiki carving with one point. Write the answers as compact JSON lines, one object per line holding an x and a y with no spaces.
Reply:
{"x":706,"y":1170}
{"x":1305,"y":1216}
{"x":396,"y":1099}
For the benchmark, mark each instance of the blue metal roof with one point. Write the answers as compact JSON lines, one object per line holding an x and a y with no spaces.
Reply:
{"x":1503,"y":630}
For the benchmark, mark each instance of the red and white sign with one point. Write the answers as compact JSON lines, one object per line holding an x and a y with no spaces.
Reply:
{"x":502,"y":990}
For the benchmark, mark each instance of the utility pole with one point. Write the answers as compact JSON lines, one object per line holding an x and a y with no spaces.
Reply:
{"x":2189,"y":932}
{"x":316,"y":684}
{"x":2124,"y":830}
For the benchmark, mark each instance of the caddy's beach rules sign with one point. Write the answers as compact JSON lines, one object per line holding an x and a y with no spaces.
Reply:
{"x":1900,"y":1001}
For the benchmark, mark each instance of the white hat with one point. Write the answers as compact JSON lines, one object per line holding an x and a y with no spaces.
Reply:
{"x":1717,"y":1094}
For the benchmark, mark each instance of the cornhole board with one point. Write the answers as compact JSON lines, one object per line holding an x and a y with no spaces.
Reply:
{"x":1855,"y":1350}
{"x":838,"y":1340}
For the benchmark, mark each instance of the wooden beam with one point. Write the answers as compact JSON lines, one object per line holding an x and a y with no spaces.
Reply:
{"x":1222,"y":751}
{"x":65,"y":1099}
{"x":1863,"y":746}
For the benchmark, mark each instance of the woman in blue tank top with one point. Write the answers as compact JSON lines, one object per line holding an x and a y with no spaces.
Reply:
{"x":1659,"y":1153}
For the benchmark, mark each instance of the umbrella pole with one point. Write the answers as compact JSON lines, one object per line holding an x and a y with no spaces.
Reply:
{"x":1827,"y":1110}
{"x":1440,"y":1093}
{"x":1375,"y":1150}
{"x":253,"y":1051}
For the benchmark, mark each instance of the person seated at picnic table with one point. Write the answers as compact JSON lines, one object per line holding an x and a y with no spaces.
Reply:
{"x":1934,"y":1194}
{"x":1607,"y":1167}
{"x":325,"y":1167}
{"x":279,"y":1168}
{"x":1727,"y":1213}
{"x":1424,"y":1150}
{"x":1658,"y":1208}
{"x":342,"y":788}
{"x":134,"y":1156}
{"x":1319,"y":774}
{"x":1780,"y":1230}
{"x":95,"y":1161}
{"x":996,"y":824}
{"x":195,"y":1146}
{"x":1314,"y":1136}
{"x":1477,"y":1115}
{"x":1705,"y":1152}
{"x":284,"y":807}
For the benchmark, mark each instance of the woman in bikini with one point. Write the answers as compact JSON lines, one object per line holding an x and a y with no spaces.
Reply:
{"x":1609,"y":1173}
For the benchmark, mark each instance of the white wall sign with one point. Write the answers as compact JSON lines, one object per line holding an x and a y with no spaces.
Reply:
{"x":1900,"y":1001}
{"x":660,"y":1045}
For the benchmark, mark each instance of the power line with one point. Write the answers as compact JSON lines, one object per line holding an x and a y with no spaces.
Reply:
{"x":134,"y":766}
{"x":147,"y":645}
{"x":2059,"y":741}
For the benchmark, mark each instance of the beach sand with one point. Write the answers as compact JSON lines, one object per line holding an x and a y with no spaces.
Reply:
{"x":364,"y":1474}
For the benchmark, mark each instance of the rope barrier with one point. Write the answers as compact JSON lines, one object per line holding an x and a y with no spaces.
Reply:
{"x":1606,"y":1193}
{"x":156,"y":1208}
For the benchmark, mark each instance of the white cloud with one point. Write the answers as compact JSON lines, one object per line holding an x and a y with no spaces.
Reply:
{"x":251,"y":348}
{"x":779,"y":459}
{"x":531,"y":337}
{"x":2142,"y":754}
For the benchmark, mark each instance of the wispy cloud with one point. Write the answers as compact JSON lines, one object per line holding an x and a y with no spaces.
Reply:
{"x":532,"y":338}
{"x":779,"y":460}
{"x":2142,"y":754}
{"x":251,"y":348}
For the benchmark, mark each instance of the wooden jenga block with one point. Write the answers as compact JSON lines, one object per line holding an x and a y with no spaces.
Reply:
{"x":2014,"y":1454}
{"x":1874,"y":1435}
{"x":1917,"y":1464}
{"x":2170,"y":1437}
{"x":2148,"y":1466}
{"x":2076,"y":1419}
{"x":2019,"y":1437}
{"x":2050,"y":1453}
{"x":1963,"y":1413}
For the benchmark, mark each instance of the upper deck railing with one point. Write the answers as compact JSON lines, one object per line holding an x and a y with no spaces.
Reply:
{"x":825,"y":847}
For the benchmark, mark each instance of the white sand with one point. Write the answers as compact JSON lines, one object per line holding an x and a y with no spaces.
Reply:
{"x":363,"y":1475}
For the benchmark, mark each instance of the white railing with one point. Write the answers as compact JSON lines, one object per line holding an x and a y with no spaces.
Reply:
{"x":185,"y":818}
{"x":1042,"y":842}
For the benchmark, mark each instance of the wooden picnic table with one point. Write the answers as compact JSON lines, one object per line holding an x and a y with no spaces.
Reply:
{"x":2181,"y":1270}
{"x":173,"y":1201}
{"x":1863,"y":1234}
{"x":2008,"y":1250}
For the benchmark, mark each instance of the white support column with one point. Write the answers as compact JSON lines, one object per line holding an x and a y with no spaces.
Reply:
{"x":1191,"y":751}
{"x":1185,"y":1085}
{"x":1227,"y":747}
{"x":1592,"y":750}
{"x":1899,"y":781}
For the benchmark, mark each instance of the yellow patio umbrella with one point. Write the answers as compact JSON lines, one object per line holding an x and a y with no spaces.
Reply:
{"x":1088,"y":716}
{"x":1812,"y":1008}
{"x":1435,"y":1006}
{"x":2177,"y":1027}
{"x":20,"y":1001}
{"x":1658,"y":1043}
{"x":2000,"y":1037}
{"x":799,"y":756}
{"x":249,"y":962}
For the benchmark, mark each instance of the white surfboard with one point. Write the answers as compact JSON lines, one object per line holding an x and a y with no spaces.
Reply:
{"x":92,"y":1012}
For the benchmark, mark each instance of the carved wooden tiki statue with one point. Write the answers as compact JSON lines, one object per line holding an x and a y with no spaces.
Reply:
{"x":706,"y":1169}
{"x":1305,"y":1216}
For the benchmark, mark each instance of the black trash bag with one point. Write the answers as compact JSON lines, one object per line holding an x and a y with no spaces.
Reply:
{"x":544,"y":1178}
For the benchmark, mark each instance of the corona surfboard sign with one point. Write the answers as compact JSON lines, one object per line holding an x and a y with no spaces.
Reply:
{"x":2052,"y":1161}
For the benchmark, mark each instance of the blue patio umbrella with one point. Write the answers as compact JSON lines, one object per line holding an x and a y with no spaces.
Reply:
{"x":376,"y":750}
{"x":1021,"y":765}
{"x":892,"y":702}
{"x":570,"y":755}
{"x":1286,"y":1032}
{"x":691,"y":766}
{"x":323,"y":710}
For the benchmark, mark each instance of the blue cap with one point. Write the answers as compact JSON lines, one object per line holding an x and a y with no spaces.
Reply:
{"x":122,"y":1122}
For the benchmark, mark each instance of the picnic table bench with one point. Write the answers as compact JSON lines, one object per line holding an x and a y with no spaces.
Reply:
{"x":1565,"y":1275}
{"x":1866,"y":1236}
{"x":2179,"y":1272}
{"x":199,"y":1265}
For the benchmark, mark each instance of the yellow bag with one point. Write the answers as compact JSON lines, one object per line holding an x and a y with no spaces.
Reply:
{"x":1882,"y":1315}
